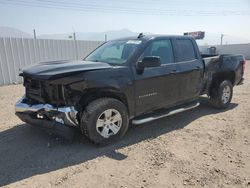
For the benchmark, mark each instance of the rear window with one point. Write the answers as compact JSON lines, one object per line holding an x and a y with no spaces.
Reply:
{"x":185,"y":50}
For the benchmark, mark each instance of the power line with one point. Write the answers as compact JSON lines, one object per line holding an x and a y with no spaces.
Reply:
{"x":80,"y":5}
{"x":91,"y":5}
{"x":118,"y":9}
{"x":73,"y":4}
{"x":89,"y":9}
{"x":111,"y":9}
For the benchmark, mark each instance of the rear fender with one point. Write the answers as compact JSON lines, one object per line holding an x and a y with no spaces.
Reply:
{"x":217,"y":78}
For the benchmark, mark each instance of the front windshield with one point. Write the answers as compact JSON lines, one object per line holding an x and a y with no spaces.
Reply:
{"x":114,"y":52}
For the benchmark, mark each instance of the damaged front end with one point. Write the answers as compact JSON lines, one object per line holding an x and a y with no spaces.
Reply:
{"x":45,"y":106}
{"x":57,"y":120}
{"x":52,"y":94}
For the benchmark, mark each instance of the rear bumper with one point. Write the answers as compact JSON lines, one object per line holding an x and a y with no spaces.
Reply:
{"x":59,"y":121}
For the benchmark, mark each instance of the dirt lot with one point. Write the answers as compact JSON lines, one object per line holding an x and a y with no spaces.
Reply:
{"x":200,"y":147}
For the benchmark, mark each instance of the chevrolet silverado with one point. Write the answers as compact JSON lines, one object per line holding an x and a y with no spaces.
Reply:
{"x":130,"y":80}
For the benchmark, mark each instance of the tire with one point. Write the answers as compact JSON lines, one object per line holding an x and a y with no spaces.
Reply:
{"x":98,"y":120}
{"x":221,"y":95}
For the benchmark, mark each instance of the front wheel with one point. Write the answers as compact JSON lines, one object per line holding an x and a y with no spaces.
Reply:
{"x":104,"y":120}
{"x":221,"y":96}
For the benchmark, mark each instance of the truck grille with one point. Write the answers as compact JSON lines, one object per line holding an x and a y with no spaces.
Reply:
{"x":33,"y":90}
{"x":42,"y":92}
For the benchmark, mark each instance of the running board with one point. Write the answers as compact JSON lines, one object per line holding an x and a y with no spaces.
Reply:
{"x":169,"y":113}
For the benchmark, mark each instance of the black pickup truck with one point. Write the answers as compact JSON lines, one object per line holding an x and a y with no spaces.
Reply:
{"x":130,"y":80}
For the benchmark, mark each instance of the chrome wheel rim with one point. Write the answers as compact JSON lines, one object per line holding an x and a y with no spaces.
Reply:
{"x":109,"y":123}
{"x":226,"y":94}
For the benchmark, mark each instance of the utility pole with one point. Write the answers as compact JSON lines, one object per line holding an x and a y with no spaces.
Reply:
{"x":74,"y":35}
{"x":221,"y":39}
{"x":106,"y":38}
{"x":34,"y":32}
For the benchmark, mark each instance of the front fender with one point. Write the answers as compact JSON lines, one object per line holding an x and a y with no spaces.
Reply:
{"x":116,"y":82}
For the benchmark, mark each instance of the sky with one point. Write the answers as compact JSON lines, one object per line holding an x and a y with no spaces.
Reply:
{"x":230,"y":17}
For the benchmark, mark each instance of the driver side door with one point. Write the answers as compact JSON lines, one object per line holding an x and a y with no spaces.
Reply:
{"x":155,"y":87}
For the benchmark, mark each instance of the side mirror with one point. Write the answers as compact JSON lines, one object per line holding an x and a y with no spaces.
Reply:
{"x":149,"y":61}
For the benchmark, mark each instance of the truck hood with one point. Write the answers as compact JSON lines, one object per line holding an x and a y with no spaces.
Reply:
{"x":57,"y":69}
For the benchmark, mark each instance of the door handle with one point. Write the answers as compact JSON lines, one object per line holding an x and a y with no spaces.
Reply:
{"x":174,"y":71}
{"x":197,"y":67}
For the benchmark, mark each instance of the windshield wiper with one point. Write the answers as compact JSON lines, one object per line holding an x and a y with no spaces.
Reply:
{"x":93,"y":60}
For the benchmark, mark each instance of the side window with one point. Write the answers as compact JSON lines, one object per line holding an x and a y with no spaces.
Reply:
{"x":161,"y":48}
{"x":184,"y":50}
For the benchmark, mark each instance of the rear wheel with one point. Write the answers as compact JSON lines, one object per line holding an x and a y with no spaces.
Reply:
{"x":221,"y":95}
{"x":104,"y":120}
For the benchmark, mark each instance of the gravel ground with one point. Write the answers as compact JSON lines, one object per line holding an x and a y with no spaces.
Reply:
{"x":202,"y":147}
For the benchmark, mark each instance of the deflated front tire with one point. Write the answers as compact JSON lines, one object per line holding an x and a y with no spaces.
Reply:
{"x":104,"y":120}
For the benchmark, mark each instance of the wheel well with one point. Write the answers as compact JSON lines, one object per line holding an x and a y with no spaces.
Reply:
{"x":93,"y":94}
{"x":221,"y":76}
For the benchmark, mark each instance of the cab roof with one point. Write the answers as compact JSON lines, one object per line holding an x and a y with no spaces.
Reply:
{"x":150,"y":37}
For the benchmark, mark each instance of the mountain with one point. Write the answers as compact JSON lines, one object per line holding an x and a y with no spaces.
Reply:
{"x":12,"y":32}
{"x":210,"y":38}
{"x":93,"y":36}
{"x":215,"y":38}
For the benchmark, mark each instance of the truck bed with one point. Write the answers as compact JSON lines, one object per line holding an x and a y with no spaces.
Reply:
{"x":217,"y":65}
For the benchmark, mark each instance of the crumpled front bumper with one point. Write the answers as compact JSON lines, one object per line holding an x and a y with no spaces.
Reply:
{"x":57,"y":120}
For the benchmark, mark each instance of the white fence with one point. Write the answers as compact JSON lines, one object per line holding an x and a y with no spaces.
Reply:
{"x":230,"y":49}
{"x":17,"y":53}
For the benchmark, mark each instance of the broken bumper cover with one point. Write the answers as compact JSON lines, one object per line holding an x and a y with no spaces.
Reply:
{"x":56,"y":120}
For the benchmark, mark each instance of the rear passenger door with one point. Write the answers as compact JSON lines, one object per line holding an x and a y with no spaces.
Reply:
{"x":189,"y":69}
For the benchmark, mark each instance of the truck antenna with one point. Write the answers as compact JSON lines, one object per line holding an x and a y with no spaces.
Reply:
{"x":140,"y":35}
